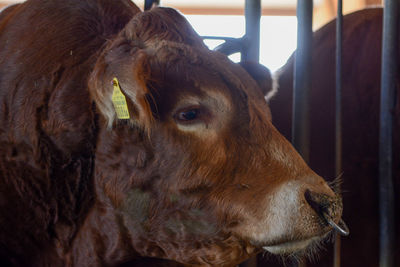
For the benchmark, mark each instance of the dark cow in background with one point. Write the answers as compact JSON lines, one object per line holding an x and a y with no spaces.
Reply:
{"x":125,"y":141}
{"x":361,"y":94}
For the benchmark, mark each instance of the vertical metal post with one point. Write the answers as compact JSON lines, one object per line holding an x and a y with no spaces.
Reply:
{"x":302,"y":78}
{"x":387,"y":104}
{"x":338,"y":114}
{"x":148,"y":4}
{"x":251,"y":52}
{"x":252,"y":14}
{"x":302,"y":82}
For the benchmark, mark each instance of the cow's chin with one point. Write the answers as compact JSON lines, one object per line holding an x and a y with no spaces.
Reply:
{"x":291,"y":247}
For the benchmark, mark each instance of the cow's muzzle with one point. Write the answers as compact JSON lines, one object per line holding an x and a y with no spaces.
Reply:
{"x":328,"y":208}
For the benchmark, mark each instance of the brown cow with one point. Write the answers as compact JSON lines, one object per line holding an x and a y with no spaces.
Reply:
{"x":125,"y":141}
{"x":361,"y":89}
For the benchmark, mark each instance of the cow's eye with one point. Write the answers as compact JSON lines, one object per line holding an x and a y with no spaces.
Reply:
{"x":189,"y":115}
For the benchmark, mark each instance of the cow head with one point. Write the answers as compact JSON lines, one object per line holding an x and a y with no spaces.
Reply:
{"x":197,"y":174}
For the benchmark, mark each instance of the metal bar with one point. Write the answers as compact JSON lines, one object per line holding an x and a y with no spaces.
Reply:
{"x":302,"y":78}
{"x":231,"y":46}
{"x":302,"y":85}
{"x":387,"y":104}
{"x":251,"y":52}
{"x":252,"y":12}
{"x":219,"y":38}
{"x":338,"y":115}
{"x":148,"y":4}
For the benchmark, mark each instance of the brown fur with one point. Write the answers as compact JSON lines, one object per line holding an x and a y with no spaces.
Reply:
{"x":79,"y":187}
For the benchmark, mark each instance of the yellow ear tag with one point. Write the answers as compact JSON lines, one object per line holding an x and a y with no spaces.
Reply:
{"x":119,"y":101}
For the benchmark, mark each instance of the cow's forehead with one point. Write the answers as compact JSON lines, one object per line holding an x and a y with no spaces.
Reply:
{"x":201,"y":67}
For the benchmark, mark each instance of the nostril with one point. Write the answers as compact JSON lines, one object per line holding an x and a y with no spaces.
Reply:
{"x":327,"y":208}
{"x":318,"y":202}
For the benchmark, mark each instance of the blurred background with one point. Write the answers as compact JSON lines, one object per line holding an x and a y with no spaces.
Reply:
{"x":278,"y":22}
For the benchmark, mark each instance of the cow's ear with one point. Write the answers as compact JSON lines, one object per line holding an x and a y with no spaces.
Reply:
{"x":118,"y":86}
{"x":261,"y":75}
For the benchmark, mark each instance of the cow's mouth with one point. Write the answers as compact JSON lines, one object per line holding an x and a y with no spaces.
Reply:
{"x":290,"y":247}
